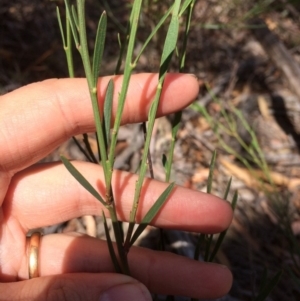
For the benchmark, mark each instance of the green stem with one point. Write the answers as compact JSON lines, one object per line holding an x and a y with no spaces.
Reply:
{"x":68,"y":49}
{"x":83,"y":50}
{"x":126,"y":79}
{"x":169,"y":47}
{"x":186,"y":35}
{"x":118,"y":234}
{"x":143,"y":168}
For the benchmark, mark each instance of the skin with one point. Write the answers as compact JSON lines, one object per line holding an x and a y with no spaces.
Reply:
{"x":36,"y":119}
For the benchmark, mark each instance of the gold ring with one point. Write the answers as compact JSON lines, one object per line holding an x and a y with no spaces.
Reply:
{"x":33,"y":245}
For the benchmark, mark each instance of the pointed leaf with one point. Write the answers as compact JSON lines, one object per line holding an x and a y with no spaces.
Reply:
{"x":75,"y":16}
{"x":134,"y":18}
{"x":87,"y":156}
{"x":60,"y":27}
{"x":176,"y":123}
{"x":99,"y":47}
{"x":89,"y":148}
{"x":111,"y":249}
{"x":81,"y":179}
{"x":151,"y":214}
{"x":234,"y":200}
{"x":227,"y":189}
{"x":143,"y":169}
{"x":175,"y":128}
{"x":107,"y":111}
{"x":170,"y":41}
{"x":223,"y":234}
{"x":73,"y":25}
{"x":217,"y":246}
{"x":211,"y":172}
{"x":188,"y":21}
{"x":154,"y":31}
{"x":185,"y":5}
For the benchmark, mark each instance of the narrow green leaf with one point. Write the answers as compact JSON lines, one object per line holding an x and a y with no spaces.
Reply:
{"x":134,"y":18}
{"x":171,"y":41}
{"x":75,"y":16}
{"x":99,"y":47}
{"x":84,"y":49}
{"x":111,"y":249}
{"x":223,"y":234}
{"x":227,"y":189}
{"x":176,"y":123}
{"x":169,"y":47}
{"x":119,"y":40}
{"x":184,"y":6}
{"x":107,"y":112}
{"x":202,"y":110}
{"x":72,"y":23}
{"x":234,"y":200}
{"x":123,"y":263}
{"x":60,"y":27}
{"x":164,"y":161}
{"x":113,"y":18}
{"x":217,"y":246}
{"x":84,"y":52}
{"x":211,"y":172}
{"x":68,"y":48}
{"x":89,"y":148}
{"x":139,"y":184}
{"x":149,"y":159}
{"x":81,"y":179}
{"x":268,"y":287}
{"x":188,"y":22}
{"x":152,"y":213}
{"x":120,"y":56}
{"x":175,"y":128}
{"x":87,"y":156}
{"x":154,"y":31}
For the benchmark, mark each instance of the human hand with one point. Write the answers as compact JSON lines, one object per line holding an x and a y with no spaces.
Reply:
{"x":36,"y":119}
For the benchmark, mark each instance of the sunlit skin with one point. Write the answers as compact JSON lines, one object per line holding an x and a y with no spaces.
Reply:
{"x":36,"y":119}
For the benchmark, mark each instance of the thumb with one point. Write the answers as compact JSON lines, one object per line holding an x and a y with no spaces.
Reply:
{"x":76,"y":287}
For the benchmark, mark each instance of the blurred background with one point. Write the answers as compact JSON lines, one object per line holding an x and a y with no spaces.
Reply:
{"x":246,"y":55}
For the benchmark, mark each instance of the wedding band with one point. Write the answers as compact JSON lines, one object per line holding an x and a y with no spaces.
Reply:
{"x":33,"y":245}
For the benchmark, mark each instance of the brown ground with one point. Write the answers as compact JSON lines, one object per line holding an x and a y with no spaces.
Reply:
{"x":225,"y":54}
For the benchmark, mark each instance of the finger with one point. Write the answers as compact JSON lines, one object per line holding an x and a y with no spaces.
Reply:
{"x":48,"y":194}
{"x":35,"y":119}
{"x":160,"y":272}
{"x":93,"y":287}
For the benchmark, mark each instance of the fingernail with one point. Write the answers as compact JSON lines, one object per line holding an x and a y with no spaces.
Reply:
{"x":193,"y":75}
{"x":126,"y":292}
